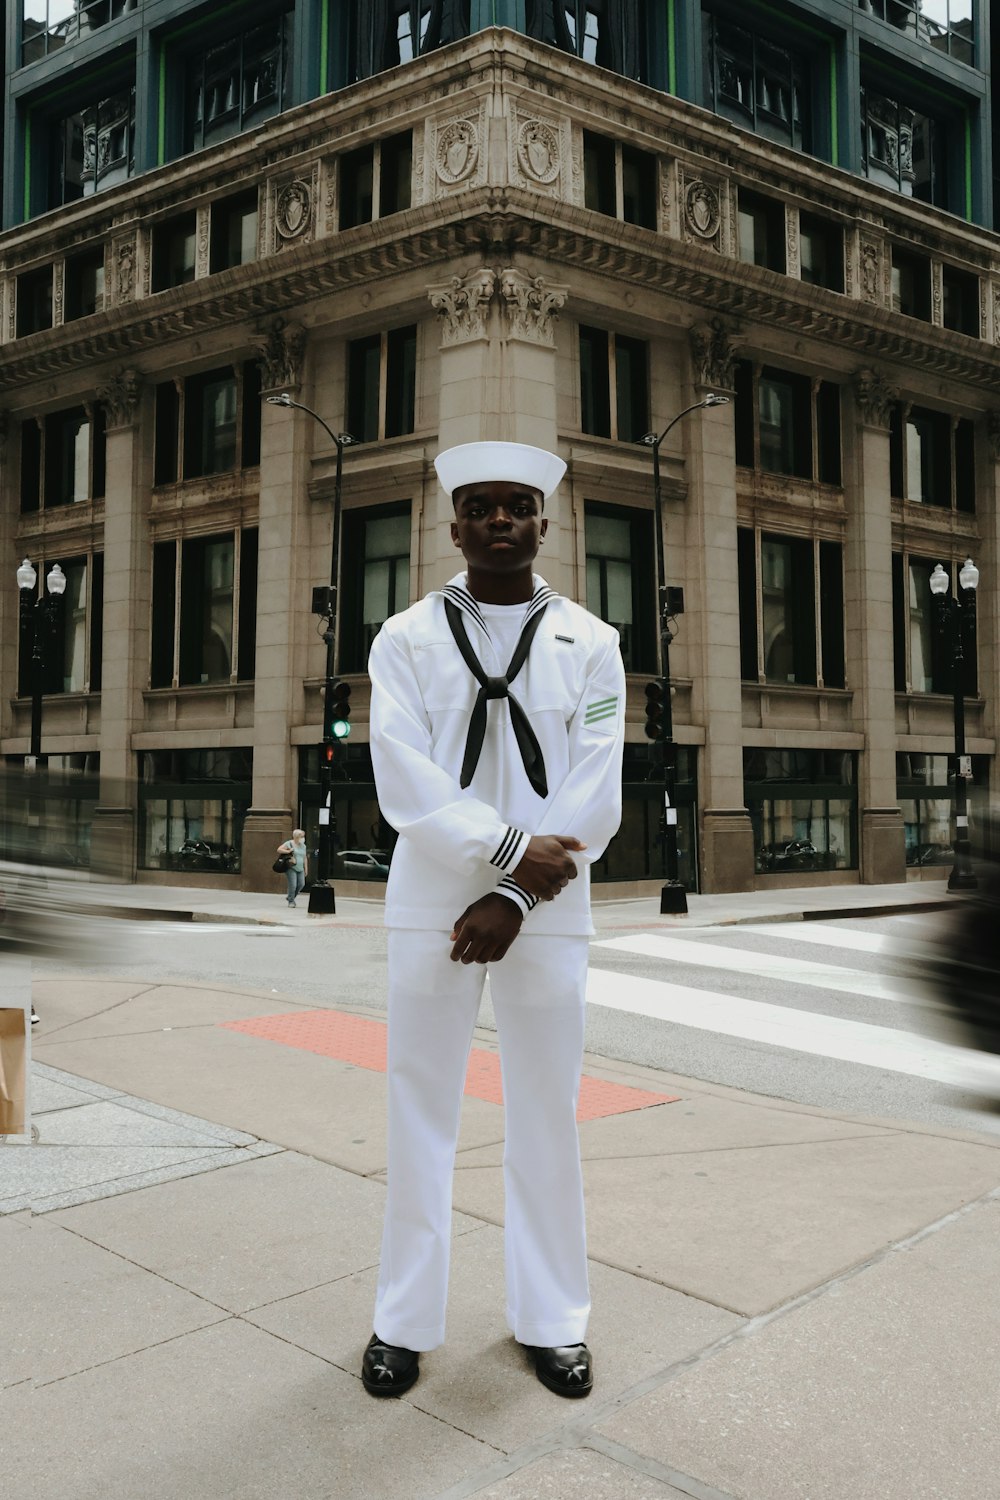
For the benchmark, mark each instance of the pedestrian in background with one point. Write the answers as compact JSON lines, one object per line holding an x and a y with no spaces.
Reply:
{"x":299,"y":867}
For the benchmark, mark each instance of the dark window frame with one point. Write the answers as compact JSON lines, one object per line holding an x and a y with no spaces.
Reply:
{"x":176,"y":618}
{"x":53,"y":685}
{"x":639,"y":652}
{"x":818,"y":637}
{"x":950,"y":461}
{"x":816,"y":434}
{"x":388,"y":190}
{"x":395,"y":399}
{"x":354,"y":645}
{"x":607,"y":164}
{"x":618,"y":356}
{"x":743,"y":88}
{"x":769,"y":231}
{"x":176,"y":413}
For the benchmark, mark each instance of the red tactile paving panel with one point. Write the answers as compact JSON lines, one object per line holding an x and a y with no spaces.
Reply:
{"x":355,"y":1039}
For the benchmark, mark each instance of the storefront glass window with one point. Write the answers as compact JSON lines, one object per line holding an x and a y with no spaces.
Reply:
{"x":192,"y":806}
{"x":803,"y":809}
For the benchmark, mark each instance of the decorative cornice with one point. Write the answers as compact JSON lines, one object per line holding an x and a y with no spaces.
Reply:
{"x":993,"y":435}
{"x":713,"y":355}
{"x":280,"y":350}
{"x":120,"y":397}
{"x":531,"y":306}
{"x":875,"y":396}
{"x":463,"y":305}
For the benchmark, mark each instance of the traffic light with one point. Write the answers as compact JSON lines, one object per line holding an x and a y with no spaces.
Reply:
{"x":340,"y":712}
{"x":654,"y":710}
{"x":329,"y":753}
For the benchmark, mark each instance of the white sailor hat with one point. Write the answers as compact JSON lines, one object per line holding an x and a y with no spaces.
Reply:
{"x":515,"y":463}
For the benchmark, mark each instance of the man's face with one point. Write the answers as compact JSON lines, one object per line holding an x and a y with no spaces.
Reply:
{"x":498,"y":525}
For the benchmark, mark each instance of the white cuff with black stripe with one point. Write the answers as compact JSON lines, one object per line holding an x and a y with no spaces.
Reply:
{"x":511,"y":850}
{"x":510,"y":888}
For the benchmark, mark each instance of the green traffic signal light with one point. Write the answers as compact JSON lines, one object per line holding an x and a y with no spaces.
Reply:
{"x":340,"y":711}
{"x":654,"y":710}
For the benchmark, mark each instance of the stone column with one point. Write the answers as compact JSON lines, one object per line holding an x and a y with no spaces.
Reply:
{"x":988,"y":561}
{"x":286,"y":442}
{"x":869,"y":626}
{"x":712,"y":618}
{"x":125,"y":647}
{"x":9,"y":591}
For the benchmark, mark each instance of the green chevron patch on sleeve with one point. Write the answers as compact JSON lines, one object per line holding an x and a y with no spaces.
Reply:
{"x":601,"y":708}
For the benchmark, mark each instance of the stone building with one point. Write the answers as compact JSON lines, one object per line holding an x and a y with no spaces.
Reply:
{"x":564,"y":229}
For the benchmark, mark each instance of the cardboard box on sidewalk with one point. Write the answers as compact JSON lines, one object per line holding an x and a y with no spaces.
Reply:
{"x":15,"y":1028}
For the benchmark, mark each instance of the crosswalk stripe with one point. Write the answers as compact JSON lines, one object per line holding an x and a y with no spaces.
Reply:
{"x":765,"y":966}
{"x":799,"y":1030}
{"x":828,"y":935}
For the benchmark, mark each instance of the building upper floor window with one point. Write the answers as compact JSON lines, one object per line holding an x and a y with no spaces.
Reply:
{"x":902,"y":148}
{"x":173,"y":252}
{"x":207,"y":423}
{"x":62,"y":458}
{"x":911,"y":284}
{"x":375,"y":180}
{"x":821,"y":253}
{"x":756,"y":83}
{"x":614,"y":385}
{"x":34,"y":301}
{"x":761,"y":223}
{"x":238,"y":82}
{"x":780,"y":580}
{"x":787,"y":424}
{"x":377,"y":37}
{"x":233,"y":236}
{"x":960,"y":299}
{"x":611,"y":33}
{"x":932,"y":458}
{"x":948,"y":25}
{"x":381,"y":384}
{"x":204,"y":609}
{"x":89,"y":148}
{"x":375,"y":577}
{"x":620,"y":584}
{"x":74,"y":654}
{"x":47,"y":25}
{"x":921,"y":660}
{"x":619,"y":180}
{"x":83,"y":284}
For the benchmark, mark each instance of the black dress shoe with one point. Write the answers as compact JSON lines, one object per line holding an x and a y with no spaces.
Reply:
{"x":567,"y":1369}
{"x":388,"y":1370}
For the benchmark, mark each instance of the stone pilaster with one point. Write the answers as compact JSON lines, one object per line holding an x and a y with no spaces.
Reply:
{"x":283,"y":562}
{"x":712,"y":620}
{"x":125,"y":653}
{"x":869,"y":625}
{"x":9,"y":592}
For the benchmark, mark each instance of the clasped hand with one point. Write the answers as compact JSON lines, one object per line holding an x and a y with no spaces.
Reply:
{"x":486,"y":929}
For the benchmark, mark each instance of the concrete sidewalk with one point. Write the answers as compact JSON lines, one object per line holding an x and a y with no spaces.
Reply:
{"x":788,"y":1304}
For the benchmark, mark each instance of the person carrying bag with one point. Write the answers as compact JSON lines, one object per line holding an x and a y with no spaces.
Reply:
{"x":293,"y":862}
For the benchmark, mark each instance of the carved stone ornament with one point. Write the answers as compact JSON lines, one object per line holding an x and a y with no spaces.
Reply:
{"x":279,"y":353}
{"x":125,"y":271}
{"x":702,"y":212}
{"x":120,"y":398}
{"x":5,"y":431}
{"x":996,"y":315}
{"x":870,"y":264}
{"x":993,"y":434}
{"x":531,"y":305}
{"x":293,"y":209}
{"x":875,"y":396}
{"x":538,"y":151}
{"x":463,"y":305}
{"x":456,"y":151}
{"x":713,"y":355}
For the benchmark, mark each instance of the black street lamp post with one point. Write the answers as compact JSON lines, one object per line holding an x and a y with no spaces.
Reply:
{"x":673,"y":896}
{"x":39,"y":624}
{"x":957,"y":622}
{"x":322,"y":899}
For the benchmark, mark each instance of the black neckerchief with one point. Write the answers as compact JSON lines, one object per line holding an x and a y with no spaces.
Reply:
{"x":499,"y":687}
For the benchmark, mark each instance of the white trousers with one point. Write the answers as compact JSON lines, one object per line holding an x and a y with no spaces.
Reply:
{"x":538,"y":994}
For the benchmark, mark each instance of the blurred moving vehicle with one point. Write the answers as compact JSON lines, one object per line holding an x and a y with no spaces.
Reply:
{"x":362,"y":864}
{"x":966,"y":969}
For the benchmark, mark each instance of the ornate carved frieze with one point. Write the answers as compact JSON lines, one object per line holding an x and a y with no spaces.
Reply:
{"x":875,"y":396}
{"x":996,"y":313}
{"x":124,"y":270}
{"x":58,"y":278}
{"x":454,"y":156}
{"x":870,"y":269}
{"x":713,"y":355}
{"x":294,"y":211}
{"x":280,"y":351}
{"x":540,"y":155}
{"x":792,"y":242}
{"x":993,"y":435}
{"x":703,"y":204}
{"x":120,"y":398}
{"x":531,"y":305}
{"x":937,"y":317}
{"x":204,"y":222}
{"x":463,"y":305}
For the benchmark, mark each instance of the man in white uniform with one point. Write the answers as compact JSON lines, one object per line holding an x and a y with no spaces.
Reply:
{"x":497,"y":719}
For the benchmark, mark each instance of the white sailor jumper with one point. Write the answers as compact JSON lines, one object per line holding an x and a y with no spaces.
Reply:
{"x":454,"y":846}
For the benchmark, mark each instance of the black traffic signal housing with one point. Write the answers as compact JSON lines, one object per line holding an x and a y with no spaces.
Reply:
{"x":654,"y":710}
{"x":339,"y":726}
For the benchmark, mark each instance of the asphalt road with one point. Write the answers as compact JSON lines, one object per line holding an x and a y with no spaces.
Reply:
{"x":833,"y":1015}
